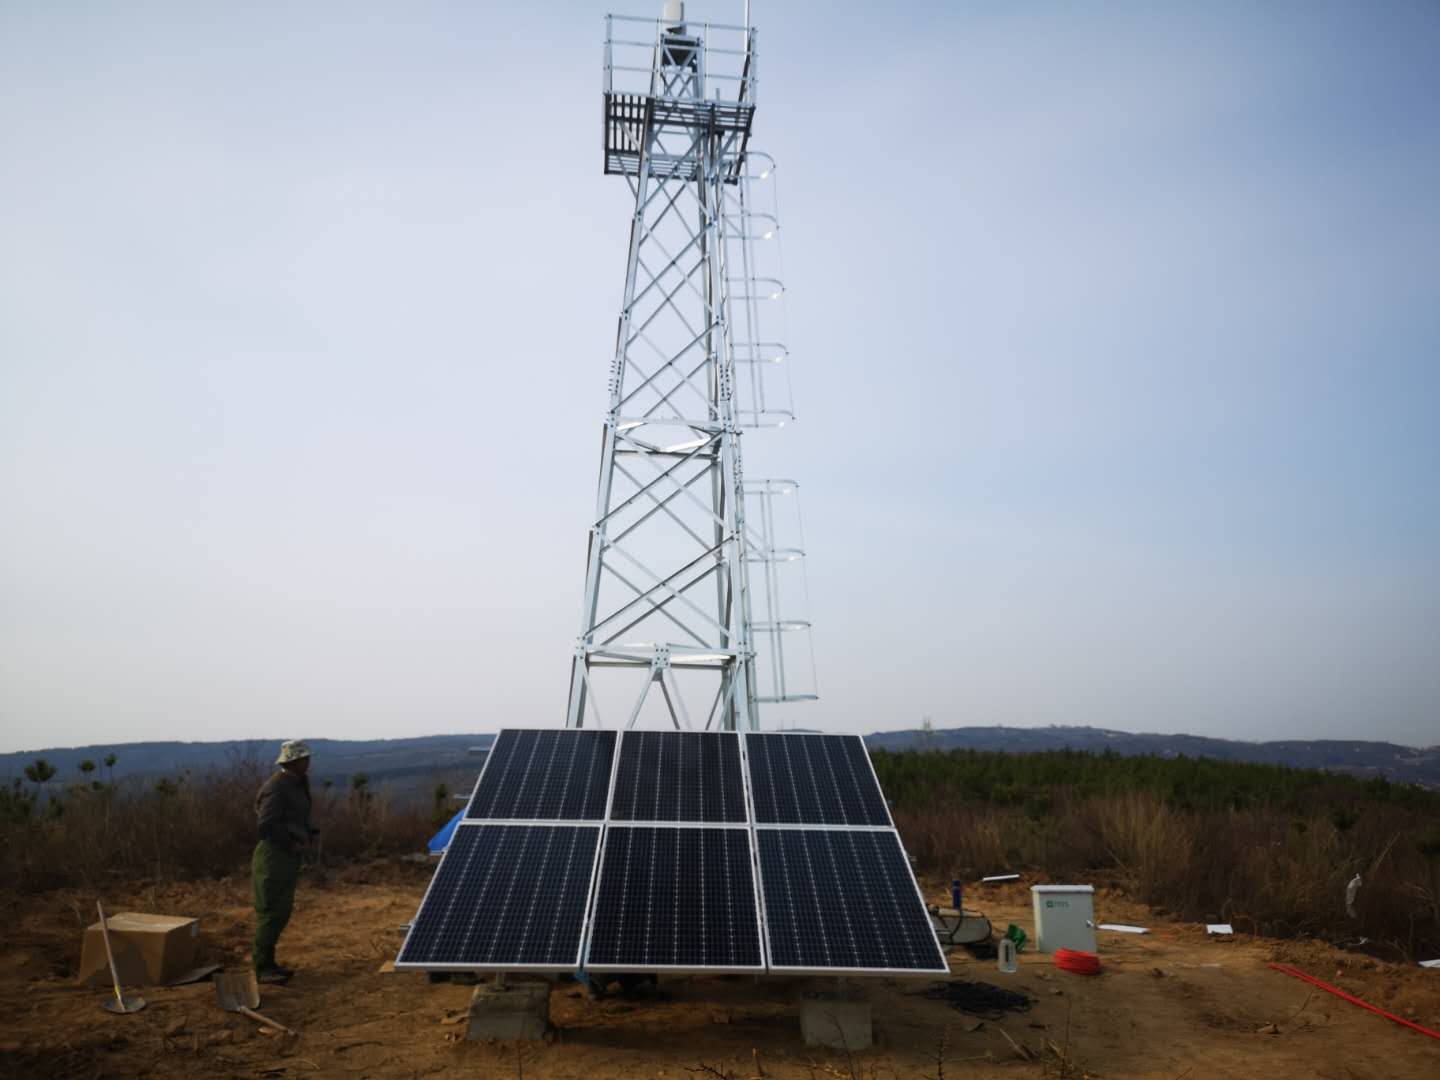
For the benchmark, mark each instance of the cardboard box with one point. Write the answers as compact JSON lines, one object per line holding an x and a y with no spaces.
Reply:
{"x":150,"y":950}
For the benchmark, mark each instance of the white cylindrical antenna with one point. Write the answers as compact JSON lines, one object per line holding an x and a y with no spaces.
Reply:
{"x":673,"y":13}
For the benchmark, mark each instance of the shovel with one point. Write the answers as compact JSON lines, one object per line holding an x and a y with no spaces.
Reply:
{"x":237,"y":992}
{"x":121,"y":1004}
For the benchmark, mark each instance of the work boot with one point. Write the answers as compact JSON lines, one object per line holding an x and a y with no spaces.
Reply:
{"x":288,"y":972}
{"x":272,"y":975}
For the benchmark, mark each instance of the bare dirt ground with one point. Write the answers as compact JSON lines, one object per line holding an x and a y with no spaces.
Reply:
{"x":1170,"y":1004}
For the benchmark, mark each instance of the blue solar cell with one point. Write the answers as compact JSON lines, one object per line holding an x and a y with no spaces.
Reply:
{"x":558,"y":775}
{"x":506,"y":896}
{"x":800,"y":779}
{"x":679,"y":776}
{"x":675,"y":897}
{"x":843,"y":899}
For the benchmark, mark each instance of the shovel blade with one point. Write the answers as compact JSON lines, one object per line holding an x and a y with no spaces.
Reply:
{"x":126,"y":1004}
{"x":237,"y":989}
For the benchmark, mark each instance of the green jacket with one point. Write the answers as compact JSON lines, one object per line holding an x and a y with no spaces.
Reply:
{"x":283,"y":809}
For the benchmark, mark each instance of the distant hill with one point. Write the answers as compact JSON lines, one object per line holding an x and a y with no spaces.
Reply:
{"x":412,"y":767}
{"x":1401,"y":764}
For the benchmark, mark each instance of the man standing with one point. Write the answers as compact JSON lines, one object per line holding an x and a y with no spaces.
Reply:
{"x":283,"y":810}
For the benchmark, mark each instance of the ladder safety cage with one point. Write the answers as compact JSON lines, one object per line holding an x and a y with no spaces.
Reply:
{"x":780,"y":622}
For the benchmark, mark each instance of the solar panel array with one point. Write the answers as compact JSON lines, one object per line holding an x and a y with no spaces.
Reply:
{"x":675,"y":851}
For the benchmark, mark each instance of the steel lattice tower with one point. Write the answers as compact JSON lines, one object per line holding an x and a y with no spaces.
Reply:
{"x":667,"y":597}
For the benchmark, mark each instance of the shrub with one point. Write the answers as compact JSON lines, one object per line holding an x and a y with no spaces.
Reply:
{"x":39,"y":772}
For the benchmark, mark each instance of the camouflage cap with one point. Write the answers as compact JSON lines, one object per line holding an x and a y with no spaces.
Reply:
{"x":293,"y":750}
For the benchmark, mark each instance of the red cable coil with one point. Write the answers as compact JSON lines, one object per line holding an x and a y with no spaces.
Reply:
{"x":1288,"y":969}
{"x":1080,"y":963}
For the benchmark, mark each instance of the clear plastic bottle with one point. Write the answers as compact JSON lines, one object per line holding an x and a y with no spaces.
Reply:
{"x":1007,"y":962}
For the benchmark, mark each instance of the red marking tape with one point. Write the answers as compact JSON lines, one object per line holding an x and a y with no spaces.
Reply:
{"x":1287,"y":969}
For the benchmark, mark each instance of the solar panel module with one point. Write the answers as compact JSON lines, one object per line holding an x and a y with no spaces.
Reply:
{"x":679,"y":776}
{"x":810,"y":779}
{"x":507,"y":898}
{"x":843,"y":901}
{"x":675,"y":898}
{"x":544,"y":775}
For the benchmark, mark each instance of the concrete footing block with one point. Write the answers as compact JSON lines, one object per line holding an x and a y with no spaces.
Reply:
{"x":837,"y":1022}
{"x":511,"y":1012}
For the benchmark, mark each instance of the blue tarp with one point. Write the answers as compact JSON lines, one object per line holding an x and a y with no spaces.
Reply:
{"x":441,"y":840}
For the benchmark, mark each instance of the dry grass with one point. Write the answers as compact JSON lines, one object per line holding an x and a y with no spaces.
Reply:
{"x":1275,"y":870}
{"x":1274,"y":873}
{"x":184,"y":827}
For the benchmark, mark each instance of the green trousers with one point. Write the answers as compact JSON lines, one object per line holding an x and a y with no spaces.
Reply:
{"x":274,"y":873}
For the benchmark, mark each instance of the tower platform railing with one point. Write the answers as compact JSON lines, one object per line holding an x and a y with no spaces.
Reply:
{"x":718,"y":93}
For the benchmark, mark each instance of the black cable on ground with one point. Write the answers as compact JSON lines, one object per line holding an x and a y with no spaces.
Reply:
{"x":978,"y":998}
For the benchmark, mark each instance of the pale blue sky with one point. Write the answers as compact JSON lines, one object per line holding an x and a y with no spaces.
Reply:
{"x":1116,"y":339}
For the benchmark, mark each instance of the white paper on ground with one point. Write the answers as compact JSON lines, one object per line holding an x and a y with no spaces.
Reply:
{"x":1122,"y":928}
{"x":1430,"y":963}
{"x":1000,"y":877}
{"x":1219,"y":928}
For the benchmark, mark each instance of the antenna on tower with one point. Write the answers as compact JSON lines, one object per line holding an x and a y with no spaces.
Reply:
{"x":687,"y":560}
